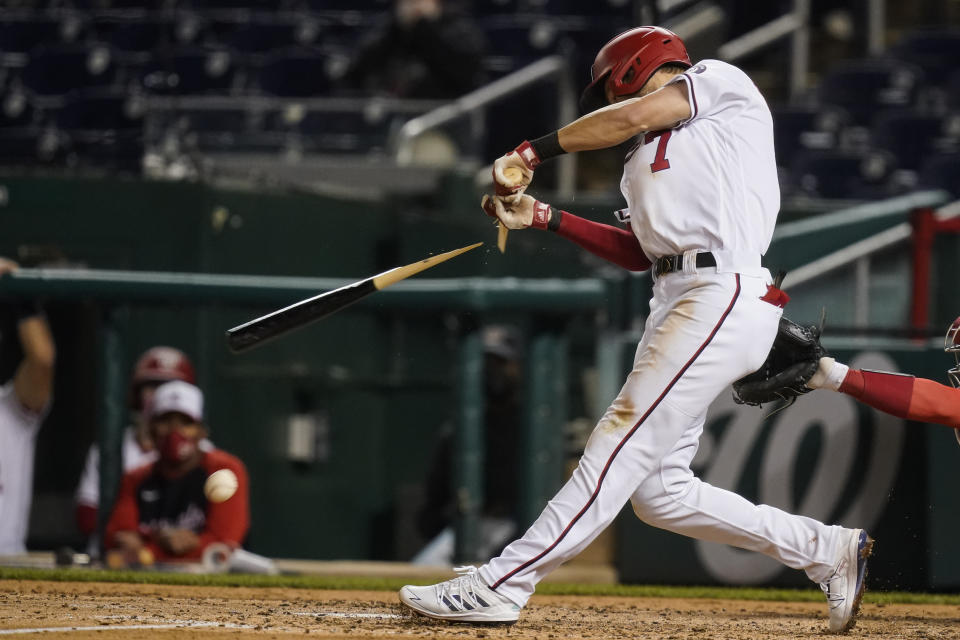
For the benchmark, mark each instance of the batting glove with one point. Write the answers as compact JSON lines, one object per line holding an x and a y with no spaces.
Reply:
{"x":513,"y":172}
{"x":523,"y":212}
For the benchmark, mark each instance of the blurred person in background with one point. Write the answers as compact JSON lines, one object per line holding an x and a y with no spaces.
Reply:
{"x":154,"y":367}
{"x":425,"y":49}
{"x":503,"y":368}
{"x":900,"y":394}
{"x":161,"y":511}
{"x":24,"y":401}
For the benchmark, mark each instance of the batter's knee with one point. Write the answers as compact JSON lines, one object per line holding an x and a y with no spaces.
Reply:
{"x":659,"y":495}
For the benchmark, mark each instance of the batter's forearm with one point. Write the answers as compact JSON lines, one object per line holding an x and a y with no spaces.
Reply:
{"x":601,"y":129}
{"x":617,"y":123}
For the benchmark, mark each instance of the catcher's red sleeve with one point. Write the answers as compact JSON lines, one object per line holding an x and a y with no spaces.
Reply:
{"x":905,"y":396}
{"x":616,"y":245}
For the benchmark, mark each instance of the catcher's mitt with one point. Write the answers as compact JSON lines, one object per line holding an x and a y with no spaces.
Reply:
{"x":792,"y":361}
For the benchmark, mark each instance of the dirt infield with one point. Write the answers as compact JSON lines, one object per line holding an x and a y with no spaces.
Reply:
{"x":99,"y":610}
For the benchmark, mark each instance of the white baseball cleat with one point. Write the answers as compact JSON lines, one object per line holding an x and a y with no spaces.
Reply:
{"x":463,"y":599}
{"x":844,"y":589}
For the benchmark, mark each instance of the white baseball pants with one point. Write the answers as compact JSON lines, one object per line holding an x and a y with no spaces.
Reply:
{"x":705,"y":330}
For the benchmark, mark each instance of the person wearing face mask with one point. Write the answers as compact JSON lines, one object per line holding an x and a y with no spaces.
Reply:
{"x":155,"y":366}
{"x":161,"y":511}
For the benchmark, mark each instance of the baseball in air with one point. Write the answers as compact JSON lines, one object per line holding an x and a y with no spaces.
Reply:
{"x":220,"y":486}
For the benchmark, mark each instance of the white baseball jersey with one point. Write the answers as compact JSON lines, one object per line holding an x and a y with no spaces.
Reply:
{"x":710,"y":184}
{"x":18,"y":439}
{"x":88,"y":490}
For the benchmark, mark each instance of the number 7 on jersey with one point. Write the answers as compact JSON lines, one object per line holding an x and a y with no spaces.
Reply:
{"x":660,"y":161}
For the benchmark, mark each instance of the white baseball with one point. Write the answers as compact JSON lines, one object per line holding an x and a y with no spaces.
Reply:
{"x":220,"y":486}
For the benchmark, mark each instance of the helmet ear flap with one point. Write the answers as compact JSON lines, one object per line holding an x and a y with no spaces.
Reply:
{"x":595,"y":95}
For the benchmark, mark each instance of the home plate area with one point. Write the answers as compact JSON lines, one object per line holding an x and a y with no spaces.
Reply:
{"x":106,"y":610}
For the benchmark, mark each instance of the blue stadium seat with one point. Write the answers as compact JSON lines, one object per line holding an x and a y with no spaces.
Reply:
{"x":55,"y":70}
{"x":364,"y":6}
{"x":798,"y":128}
{"x":295,"y":72}
{"x":258,"y":37}
{"x":116,"y":151}
{"x":190,"y":70}
{"x":866,"y":87}
{"x":134,"y":35}
{"x":952,"y":90}
{"x":513,"y":44}
{"x":16,"y":110}
{"x":344,"y":131}
{"x":617,"y":9}
{"x":100,"y":109}
{"x":845,"y":174}
{"x":527,"y":40}
{"x":908,"y":135}
{"x":942,"y":172}
{"x":494,"y":7}
{"x":215,"y":120}
{"x":21,"y":34}
{"x":936,"y":51}
{"x":221,"y":5}
{"x":25,"y":146}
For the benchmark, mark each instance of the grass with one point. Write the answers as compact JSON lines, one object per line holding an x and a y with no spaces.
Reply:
{"x":392,"y":584}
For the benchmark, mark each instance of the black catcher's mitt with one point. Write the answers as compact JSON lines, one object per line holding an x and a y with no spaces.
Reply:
{"x":792,"y":361}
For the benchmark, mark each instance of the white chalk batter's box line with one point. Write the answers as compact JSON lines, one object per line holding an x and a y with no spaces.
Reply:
{"x":181,"y":624}
{"x":341,"y":614}
{"x":188,"y":624}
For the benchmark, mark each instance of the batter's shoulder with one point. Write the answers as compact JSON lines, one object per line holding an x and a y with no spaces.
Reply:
{"x":719,"y":68}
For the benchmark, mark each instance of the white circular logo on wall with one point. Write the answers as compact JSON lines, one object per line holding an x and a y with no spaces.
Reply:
{"x":723,"y":463}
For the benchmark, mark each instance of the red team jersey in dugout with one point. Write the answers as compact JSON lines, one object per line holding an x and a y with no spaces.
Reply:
{"x":148,"y":502}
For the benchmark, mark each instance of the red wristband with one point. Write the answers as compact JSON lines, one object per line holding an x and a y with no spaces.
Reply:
{"x":528,"y":154}
{"x":541,"y":215}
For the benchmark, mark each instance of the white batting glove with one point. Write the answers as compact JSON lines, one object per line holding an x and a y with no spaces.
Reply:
{"x":524,"y":212}
{"x":829,"y":375}
{"x":513,"y":172}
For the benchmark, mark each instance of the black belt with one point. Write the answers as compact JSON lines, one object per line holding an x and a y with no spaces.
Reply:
{"x":669,"y":264}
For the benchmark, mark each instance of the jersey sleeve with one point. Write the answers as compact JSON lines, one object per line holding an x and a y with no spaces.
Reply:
{"x":126,"y":513}
{"x":88,"y":489}
{"x":715,"y":89}
{"x":616,"y":245}
{"x":935,"y":402}
{"x":904,"y":396}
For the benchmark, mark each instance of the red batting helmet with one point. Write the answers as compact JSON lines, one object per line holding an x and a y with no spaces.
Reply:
{"x":626,"y":63}
{"x":160,"y":364}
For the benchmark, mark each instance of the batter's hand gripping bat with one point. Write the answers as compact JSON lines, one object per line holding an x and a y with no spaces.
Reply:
{"x":275,"y":324}
{"x":516,"y":176}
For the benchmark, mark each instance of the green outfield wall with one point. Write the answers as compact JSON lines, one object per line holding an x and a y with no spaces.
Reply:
{"x":380,"y":382}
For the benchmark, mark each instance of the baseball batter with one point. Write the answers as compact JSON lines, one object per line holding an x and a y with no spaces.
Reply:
{"x":701,"y":186}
